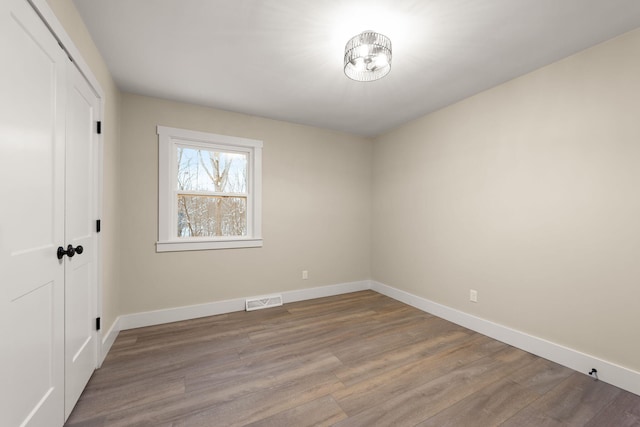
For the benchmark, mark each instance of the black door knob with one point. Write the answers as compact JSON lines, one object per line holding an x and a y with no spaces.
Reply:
{"x":70,"y":252}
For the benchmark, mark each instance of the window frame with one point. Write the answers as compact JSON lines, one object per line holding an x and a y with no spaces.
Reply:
{"x":169,"y":139}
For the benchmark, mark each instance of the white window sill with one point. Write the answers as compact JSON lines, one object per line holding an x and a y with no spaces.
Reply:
{"x":178,"y":246}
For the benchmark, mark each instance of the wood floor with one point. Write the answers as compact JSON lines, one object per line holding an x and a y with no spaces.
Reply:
{"x":359,"y":359}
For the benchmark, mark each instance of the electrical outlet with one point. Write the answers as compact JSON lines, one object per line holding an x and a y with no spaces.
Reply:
{"x":305,"y":274}
{"x":473,"y":295}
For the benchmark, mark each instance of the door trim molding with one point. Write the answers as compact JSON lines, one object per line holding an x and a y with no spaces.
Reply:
{"x":46,"y":14}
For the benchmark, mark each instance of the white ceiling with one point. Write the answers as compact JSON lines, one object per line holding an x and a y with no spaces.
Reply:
{"x":282,"y":59}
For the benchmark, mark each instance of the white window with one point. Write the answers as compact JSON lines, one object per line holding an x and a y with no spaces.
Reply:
{"x":209,"y":191}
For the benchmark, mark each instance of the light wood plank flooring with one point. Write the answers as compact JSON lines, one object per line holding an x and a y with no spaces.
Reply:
{"x":359,"y":359}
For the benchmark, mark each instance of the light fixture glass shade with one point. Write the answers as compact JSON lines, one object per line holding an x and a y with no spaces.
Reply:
{"x":367,"y":56}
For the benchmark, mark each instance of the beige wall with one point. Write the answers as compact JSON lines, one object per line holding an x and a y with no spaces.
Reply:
{"x":316,"y":201}
{"x":68,"y":16}
{"x":528,"y":193}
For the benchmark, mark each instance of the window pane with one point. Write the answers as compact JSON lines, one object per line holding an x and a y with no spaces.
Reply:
{"x":211,"y":216}
{"x":205,"y":170}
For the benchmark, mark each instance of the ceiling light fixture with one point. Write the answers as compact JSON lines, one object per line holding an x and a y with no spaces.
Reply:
{"x":367,"y":56}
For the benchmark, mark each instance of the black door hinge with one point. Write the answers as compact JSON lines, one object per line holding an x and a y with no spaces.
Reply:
{"x":99,"y":127}
{"x":97,"y":323}
{"x":98,"y":224}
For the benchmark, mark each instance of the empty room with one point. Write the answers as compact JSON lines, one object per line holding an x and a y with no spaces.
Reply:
{"x":320,"y":213}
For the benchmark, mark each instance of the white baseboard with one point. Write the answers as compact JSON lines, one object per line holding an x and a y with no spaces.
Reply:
{"x":107,"y":341}
{"x":157,"y":317}
{"x":608,"y":372}
{"x":325,"y":291}
{"x":176,"y":314}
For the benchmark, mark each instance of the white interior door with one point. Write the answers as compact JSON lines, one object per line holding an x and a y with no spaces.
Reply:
{"x":80,"y":216}
{"x":32,"y":123}
{"x":48,"y":199}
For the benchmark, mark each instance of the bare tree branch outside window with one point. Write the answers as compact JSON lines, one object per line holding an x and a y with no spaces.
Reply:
{"x":212,"y":193}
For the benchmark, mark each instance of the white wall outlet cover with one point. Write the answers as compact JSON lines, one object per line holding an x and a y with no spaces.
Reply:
{"x":473,"y":295}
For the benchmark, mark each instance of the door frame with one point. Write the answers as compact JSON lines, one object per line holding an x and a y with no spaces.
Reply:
{"x":45,"y":12}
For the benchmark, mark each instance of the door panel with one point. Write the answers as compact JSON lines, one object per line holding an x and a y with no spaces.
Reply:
{"x":32,"y":122}
{"x":80,"y":277}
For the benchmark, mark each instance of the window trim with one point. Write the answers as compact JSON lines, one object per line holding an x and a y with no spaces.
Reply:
{"x":168,"y":139}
